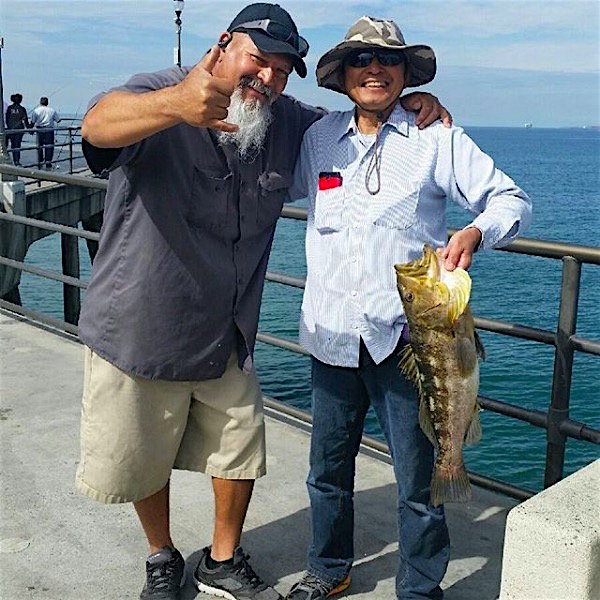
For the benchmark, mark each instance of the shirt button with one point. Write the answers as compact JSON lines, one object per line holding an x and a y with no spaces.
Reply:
{"x":354,"y":293}
{"x":354,"y":259}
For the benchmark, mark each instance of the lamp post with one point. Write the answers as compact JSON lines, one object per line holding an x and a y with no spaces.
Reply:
{"x":177,"y":50}
{"x":4,"y":159}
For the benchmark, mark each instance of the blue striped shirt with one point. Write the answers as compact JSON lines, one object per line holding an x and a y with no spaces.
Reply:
{"x":353,"y":238}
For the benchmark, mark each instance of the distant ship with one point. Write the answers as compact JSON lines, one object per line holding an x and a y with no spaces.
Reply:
{"x":528,"y":125}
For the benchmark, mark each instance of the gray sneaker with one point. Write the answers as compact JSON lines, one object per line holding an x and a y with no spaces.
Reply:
{"x":311,"y":587}
{"x":235,"y":582}
{"x":164,"y":575}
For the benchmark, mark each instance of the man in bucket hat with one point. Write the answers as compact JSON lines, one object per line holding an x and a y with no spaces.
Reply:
{"x":377,"y":189}
{"x":200,"y":159}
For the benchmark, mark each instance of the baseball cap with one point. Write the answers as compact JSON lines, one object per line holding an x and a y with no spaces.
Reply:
{"x":273,"y":31}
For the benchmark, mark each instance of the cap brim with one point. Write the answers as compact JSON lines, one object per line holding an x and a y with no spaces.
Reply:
{"x":272,"y":46}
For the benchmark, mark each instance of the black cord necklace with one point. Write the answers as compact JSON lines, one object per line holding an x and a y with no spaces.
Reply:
{"x":374,"y":165}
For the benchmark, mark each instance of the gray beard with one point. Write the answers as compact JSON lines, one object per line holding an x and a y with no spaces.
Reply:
{"x":253,"y":119}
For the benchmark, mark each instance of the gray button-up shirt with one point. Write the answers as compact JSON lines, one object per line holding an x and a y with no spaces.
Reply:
{"x":177,"y":282}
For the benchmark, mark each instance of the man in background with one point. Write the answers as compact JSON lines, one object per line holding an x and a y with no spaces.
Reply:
{"x":43,"y":119}
{"x":16,"y":118}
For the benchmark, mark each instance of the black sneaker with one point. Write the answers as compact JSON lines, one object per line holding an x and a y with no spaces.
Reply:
{"x":236,"y":581}
{"x":164,"y":575}
{"x":311,"y":587}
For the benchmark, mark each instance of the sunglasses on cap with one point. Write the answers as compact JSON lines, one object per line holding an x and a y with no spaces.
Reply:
{"x":363,"y":58}
{"x":280,"y":32}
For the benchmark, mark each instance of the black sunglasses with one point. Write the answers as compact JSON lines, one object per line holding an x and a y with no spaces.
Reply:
{"x":277,"y":31}
{"x":363,"y":58}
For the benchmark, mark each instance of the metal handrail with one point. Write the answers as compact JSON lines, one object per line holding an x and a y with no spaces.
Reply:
{"x":67,"y":136}
{"x":556,"y":421}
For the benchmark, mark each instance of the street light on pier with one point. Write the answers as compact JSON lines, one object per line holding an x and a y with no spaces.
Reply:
{"x":177,"y":50}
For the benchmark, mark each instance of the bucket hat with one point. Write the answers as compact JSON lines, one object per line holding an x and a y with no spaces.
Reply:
{"x":273,"y":31}
{"x":369,"y":32}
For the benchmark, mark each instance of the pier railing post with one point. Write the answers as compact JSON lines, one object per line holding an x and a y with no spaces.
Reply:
{"x":70,"y":265}
{"x":563,"y":370}
{"x":71,"y":150}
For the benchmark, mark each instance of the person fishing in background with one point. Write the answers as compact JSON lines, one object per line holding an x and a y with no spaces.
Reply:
{"x":377,"y":189}
{"x":43,"y":119}
{"x":16,"y":118}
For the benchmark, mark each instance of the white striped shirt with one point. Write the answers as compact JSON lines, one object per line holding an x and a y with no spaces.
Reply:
{"x":354,"y":239}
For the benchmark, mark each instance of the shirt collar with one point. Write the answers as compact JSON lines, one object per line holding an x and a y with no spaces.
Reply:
{"x":399,"y":120}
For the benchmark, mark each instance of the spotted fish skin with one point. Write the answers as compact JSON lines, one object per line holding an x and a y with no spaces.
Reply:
{"x":441,"y":359}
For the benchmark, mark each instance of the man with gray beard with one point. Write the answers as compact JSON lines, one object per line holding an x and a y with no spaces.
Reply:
{"x":200,"y":160}
{"x":252,"y":118}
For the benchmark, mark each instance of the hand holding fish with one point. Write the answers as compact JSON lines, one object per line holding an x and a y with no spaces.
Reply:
{"x":202,"y":98}
{"x":460,"y":249}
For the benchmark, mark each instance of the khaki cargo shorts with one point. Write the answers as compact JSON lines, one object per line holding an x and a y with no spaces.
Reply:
{"x":135,"y":431}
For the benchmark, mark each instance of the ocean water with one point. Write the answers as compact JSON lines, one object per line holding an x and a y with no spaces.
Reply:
{"x":559,"y":169}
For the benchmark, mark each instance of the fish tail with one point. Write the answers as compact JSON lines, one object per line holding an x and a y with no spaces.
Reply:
{"x":450,"y":484}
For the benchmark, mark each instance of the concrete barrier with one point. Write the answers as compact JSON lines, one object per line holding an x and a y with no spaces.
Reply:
{"x":552,"y":542}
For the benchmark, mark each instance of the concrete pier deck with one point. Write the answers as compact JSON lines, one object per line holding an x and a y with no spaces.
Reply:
{"x":57,"y":545}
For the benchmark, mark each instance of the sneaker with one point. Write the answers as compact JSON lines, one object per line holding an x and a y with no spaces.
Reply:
{"x":235,"y":582}
{"x":311,"y":587}
{"x":164,"y":575}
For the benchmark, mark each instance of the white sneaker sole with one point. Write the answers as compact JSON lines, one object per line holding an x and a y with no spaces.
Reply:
{"x":207,"y":589}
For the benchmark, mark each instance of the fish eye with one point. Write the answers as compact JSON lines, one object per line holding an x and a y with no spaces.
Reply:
{"x":409,"y":296}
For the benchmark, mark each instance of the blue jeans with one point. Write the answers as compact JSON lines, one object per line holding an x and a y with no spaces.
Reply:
{"x":340,"y":399}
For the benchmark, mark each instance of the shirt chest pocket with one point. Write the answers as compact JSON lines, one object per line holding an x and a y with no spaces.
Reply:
{"x":272,"y":191}
{"x":329,"y":207}
{"x":396,"y":208}
{"x":210,"y":198}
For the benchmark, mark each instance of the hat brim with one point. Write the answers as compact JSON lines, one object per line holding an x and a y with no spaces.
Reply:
{"x":270,"y":45}
{"x":420,"y":64}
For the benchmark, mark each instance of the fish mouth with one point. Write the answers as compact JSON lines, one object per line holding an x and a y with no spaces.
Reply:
{"x":430,"y":309}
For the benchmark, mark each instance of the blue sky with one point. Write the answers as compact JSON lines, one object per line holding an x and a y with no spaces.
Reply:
{"x":500,"y":63}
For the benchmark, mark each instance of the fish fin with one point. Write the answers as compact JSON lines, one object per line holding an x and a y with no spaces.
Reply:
{"x":426,"y":423}
{"x":479,"y":346}
{"x":465,"y":355}
{"x":450,"y":485}
{"x":408,"y":365}
{"x":474,"y":432}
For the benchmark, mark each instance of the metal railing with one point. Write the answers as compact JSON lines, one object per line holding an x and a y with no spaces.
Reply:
{"x":555,"y":420}
{"x":68,"y":137}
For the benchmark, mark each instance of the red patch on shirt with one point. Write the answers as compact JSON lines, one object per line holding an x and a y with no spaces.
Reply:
{"x":328,"y":181}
